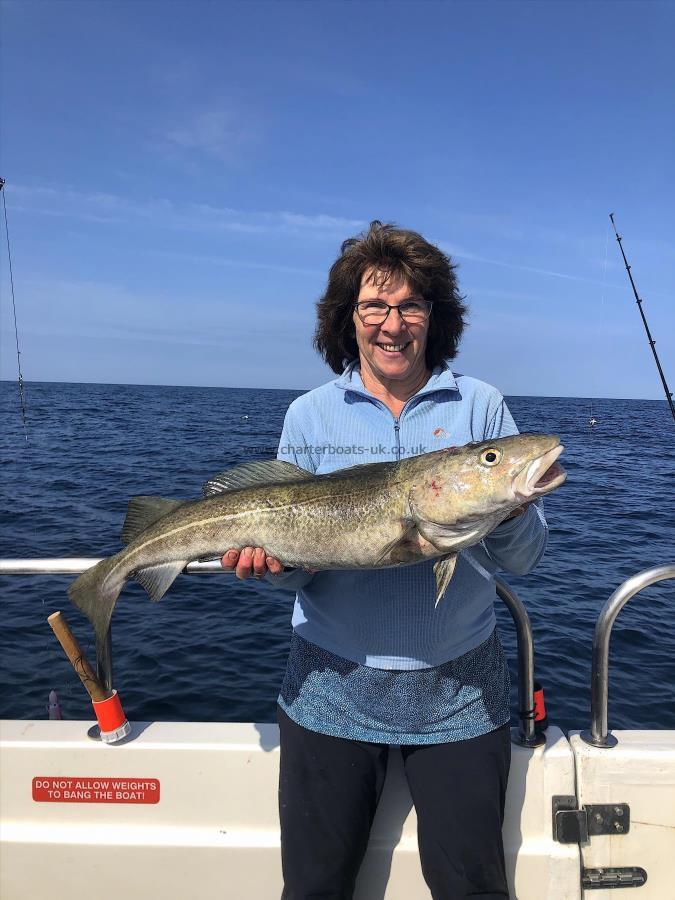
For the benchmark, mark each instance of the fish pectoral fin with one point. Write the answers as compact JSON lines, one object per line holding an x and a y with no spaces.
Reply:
{"x":444,"y":569}
{"x":145,"y":511}
{"x":449,"y":537}
{"x":158,"y":579}
{"x":392,"y":545}
{"x":442,"y":537}
{"x":253,"y":474}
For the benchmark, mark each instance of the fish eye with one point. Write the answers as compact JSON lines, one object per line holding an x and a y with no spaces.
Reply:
{"x":491,"y":457}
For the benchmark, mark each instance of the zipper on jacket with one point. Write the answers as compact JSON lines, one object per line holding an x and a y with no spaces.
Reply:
{"x":397,"y":436}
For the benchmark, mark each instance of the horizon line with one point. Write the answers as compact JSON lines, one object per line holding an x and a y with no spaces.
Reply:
{"x":220,"y":387}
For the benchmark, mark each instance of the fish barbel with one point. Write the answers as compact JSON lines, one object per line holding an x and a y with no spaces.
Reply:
{"x":369,"y":516}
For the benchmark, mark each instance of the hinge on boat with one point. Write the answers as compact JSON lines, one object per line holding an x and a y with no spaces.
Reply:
{"x":623,"y":877}
{"x":576,"y":826}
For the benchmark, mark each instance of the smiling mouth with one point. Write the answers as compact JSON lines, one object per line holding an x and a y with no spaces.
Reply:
{"x":393,"y":348}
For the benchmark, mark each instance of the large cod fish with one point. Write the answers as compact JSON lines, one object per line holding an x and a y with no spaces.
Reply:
{"x":369,"y":516}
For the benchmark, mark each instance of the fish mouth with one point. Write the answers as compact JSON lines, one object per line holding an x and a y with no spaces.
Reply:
{"x":540,"y":476}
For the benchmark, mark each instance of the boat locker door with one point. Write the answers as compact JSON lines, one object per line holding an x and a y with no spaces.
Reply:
{"x":626,"y":802}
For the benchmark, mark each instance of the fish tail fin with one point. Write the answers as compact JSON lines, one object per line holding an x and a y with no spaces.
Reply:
{"x":95,"y":593}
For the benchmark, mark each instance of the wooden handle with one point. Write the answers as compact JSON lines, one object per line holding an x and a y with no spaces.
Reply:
{"x":77,"y":658}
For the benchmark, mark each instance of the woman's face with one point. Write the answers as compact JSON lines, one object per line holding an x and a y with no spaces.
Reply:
{"x":395,"y":350}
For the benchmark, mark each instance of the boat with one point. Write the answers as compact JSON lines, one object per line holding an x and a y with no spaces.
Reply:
{"x":181,"y":810}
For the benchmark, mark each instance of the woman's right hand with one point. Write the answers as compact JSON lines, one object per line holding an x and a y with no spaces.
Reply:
{"x":251,"y":561}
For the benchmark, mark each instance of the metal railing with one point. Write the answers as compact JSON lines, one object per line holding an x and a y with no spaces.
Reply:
{"x":76,"y":565}
{"x":527,"y":734}
{"x":599,"y":735}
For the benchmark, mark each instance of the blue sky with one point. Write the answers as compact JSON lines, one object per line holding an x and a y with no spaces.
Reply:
{"x":180,"y":177}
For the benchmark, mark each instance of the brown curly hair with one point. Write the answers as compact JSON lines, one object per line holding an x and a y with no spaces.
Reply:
{"x":399,"y":254}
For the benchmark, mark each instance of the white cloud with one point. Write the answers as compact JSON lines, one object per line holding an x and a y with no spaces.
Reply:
{"x":162,"y":212}
{"x":460,"y":253}
{"x":215,"y":133}
{"x":241,"y":264}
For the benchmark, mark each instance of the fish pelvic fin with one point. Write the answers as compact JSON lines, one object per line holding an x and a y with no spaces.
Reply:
{"x":95,"y":593}
{"x":444,"y":569}
{"x":142,"y":512}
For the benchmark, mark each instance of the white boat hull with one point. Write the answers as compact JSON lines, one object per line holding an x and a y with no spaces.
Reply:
{"x":214,"y":831}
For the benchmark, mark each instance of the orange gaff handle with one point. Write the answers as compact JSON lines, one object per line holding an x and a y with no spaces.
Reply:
{"x":111,"y":719}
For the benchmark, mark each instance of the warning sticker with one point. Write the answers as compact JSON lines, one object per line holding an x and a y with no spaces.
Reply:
{"x":50,"y":789}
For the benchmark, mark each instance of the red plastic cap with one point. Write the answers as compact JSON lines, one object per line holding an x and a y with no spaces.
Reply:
{"x":109,"y":713}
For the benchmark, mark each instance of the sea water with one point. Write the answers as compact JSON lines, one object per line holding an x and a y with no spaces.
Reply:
{"x":214,"y":648}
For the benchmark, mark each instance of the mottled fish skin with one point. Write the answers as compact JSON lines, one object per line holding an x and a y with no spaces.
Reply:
{"x":371,"y":516}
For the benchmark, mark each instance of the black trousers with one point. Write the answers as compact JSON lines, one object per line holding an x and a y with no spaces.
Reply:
{"x":329,"y":788}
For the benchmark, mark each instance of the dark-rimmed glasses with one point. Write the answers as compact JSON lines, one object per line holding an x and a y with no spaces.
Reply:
{"x":375,"y":312}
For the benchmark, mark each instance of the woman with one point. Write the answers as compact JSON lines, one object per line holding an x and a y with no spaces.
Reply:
{"x":372,"y":661}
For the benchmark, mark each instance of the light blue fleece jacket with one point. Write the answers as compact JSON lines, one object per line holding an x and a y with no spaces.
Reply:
{"x":386,"y":618}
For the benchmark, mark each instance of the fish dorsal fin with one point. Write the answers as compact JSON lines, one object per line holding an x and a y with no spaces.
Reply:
{"x":253,"y":474}
{"x":145,"y":511}
{"x":158,"y":579}
{"x":362,"y":469}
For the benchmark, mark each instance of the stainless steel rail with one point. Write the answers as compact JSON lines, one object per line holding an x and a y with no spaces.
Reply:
{"x":599,"y":735}
{"x":76,"y":565}
{"x":527,"y":734}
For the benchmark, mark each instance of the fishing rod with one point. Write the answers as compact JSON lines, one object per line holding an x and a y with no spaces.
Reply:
{"x":652,"y":342}
{"x":22,"y":396}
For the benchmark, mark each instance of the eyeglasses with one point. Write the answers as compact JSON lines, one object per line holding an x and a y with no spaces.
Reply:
{"x":375,"y":312}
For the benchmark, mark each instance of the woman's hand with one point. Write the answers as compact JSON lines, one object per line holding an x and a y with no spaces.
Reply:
{"x":251,"y":561}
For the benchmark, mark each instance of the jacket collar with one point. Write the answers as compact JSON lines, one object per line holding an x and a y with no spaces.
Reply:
{"x":442,"y":379}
